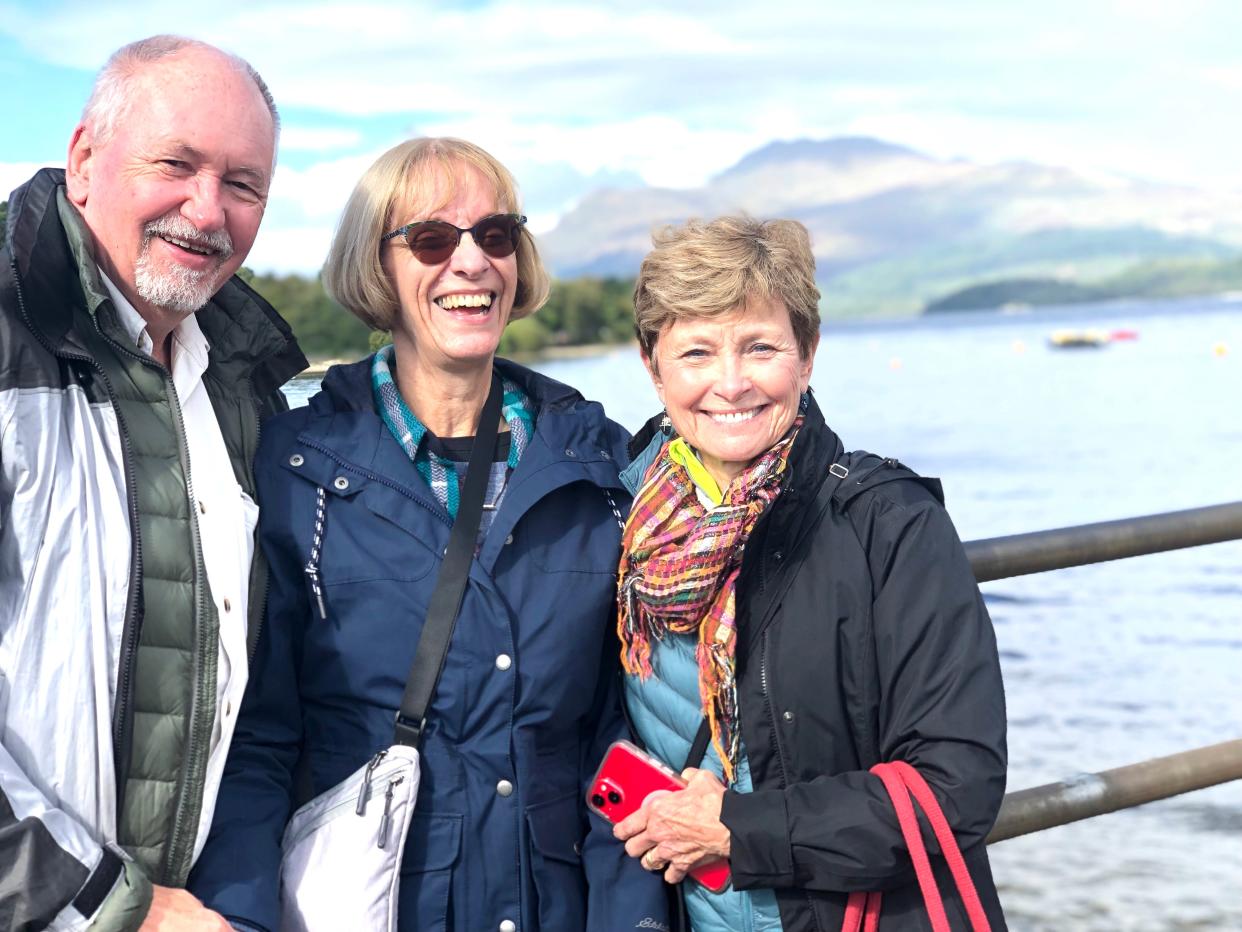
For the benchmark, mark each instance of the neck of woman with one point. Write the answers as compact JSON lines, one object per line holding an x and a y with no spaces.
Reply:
{"x":446,"y":401}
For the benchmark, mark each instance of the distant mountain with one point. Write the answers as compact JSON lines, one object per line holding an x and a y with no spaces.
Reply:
{"x":875,"y":209}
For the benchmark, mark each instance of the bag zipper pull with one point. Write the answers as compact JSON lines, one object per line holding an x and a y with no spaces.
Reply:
{"x":364,"y":792}
{"x":386,"y":817}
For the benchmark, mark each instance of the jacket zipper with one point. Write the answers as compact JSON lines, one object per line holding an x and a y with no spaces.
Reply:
{"x":776,"y":734}
{"x":129,"y":628}
{"x":176,"y":863}
{"x":173,"y":858}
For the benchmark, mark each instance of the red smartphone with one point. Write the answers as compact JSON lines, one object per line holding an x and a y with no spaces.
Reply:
{"x":626,"y":777}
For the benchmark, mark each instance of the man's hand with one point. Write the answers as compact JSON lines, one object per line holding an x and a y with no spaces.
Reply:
{"x":174,"y":910}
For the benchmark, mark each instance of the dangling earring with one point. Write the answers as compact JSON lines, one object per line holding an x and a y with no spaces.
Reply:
{"x":665,"y":424}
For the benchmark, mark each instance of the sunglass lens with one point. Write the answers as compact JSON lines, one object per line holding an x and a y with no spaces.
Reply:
{"x":432,"y":242}
{"x":497,"y":236}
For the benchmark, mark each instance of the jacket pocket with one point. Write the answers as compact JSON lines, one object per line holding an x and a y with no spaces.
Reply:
{"x":432,"y":847}
{"x":556,"y":863}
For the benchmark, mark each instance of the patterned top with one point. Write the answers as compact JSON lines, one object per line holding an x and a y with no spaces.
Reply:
{"x":438,"y":472}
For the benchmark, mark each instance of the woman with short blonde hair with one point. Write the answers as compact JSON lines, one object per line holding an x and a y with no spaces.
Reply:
{"x":790,"y":614}
{"x":360,"y":492}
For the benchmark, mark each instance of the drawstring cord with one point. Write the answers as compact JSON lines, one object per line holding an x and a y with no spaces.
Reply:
{"x":312,"y":565}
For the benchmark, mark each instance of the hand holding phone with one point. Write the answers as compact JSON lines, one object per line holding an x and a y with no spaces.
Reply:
{"x":626,"y":777}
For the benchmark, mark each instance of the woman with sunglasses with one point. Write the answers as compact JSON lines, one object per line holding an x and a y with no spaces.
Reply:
{"x":360,"y":492}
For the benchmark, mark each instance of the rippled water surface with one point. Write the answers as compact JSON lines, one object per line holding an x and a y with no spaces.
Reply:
{"x":1104,"y":665}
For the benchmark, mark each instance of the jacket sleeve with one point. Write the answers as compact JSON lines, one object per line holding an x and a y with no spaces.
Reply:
{"x":237,"y":873}
{"x":54,"y":874}
{"x":940,"y":708}
{"x":621,"y":895}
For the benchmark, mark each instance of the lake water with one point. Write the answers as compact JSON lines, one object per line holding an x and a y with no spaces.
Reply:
{"x":1104,"y":665}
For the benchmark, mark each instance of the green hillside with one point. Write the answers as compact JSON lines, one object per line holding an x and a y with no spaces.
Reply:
{"x":906,"y":285}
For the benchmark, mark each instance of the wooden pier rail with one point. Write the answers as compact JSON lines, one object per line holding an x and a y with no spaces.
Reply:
{"x":1092,"y":794}
{"x":1040,"y":551}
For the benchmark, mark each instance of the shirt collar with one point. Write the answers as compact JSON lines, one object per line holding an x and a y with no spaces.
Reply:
{"x":190,"y":346}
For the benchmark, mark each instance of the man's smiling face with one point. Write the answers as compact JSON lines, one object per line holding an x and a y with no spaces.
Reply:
{"x":174,"y":195}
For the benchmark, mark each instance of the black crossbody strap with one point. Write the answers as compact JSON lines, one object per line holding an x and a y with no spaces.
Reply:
{"x":698,"y":747}
{"x":446,"y":598}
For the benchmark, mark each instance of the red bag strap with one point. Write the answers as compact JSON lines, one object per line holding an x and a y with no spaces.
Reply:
{"x":862,"y":910}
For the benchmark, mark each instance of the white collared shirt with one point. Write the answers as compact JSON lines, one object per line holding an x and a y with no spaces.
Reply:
{"x":226,"y":516}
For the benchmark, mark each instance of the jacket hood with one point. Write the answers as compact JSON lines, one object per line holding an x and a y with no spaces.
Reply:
{"x":348,"y":388}
{"x":564,"y":420}
{"x":245,"y":331}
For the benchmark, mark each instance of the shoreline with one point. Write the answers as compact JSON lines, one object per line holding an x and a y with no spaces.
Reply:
{"x":318,"y":367}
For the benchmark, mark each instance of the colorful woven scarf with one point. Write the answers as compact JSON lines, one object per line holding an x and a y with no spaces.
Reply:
{"x":679,"y":569}
{"x":409,"y":430}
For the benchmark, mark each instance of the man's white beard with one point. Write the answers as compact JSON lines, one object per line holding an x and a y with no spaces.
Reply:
{"x":171,"y":285}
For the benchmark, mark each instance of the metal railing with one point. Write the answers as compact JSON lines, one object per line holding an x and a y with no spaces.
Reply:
{"x":1092,"y":794}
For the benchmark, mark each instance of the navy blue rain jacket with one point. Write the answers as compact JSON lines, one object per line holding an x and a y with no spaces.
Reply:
{"x":527,"y":701}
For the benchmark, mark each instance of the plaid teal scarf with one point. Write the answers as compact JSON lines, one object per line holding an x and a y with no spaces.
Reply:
{"x":439,"y":473}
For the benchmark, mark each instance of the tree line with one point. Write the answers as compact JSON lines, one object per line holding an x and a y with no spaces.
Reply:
{"x":579,"y":311}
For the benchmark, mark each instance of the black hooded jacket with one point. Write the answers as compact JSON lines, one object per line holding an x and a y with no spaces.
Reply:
{"x":862,"y":637}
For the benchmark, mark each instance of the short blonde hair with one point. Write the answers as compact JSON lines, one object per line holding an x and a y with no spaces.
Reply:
{"x":353,"y":274}
{"x":709,"y":268}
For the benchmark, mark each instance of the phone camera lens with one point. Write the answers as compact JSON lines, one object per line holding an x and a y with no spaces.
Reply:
{"x":614,"y":797}
{"x":597,"y":799}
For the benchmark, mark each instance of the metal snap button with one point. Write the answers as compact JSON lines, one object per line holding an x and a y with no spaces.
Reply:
{"x":341,"y":483}
{"x":296,"y":460}
{"x":787,"y":716}
{"x":509,"y":539}
{"x":572,"y":454}
{"x":504,"y":788}
{"x":508,"y":926}
{"x":503,"y":661}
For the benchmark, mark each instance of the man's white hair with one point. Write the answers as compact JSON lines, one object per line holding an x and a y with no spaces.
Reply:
{"x":110,"y":98}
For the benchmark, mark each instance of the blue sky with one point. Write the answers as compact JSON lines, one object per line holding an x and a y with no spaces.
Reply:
{"x":573,"y":96}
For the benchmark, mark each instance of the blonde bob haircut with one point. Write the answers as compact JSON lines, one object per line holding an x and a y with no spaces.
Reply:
{"x":407,"y":176}
{"x":710,"y":268}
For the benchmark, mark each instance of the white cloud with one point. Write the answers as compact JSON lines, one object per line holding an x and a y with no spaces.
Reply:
{"x":317,"y":139}
{"x":16,"y":174}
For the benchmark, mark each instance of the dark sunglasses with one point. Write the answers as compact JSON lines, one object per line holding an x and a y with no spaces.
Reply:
{"x":433,"y":241}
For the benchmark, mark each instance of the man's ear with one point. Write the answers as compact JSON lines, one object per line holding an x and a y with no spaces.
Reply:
{"x":78,"y":165}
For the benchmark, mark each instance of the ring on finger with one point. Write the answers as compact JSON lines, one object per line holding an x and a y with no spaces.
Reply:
{"x":650,"y":861}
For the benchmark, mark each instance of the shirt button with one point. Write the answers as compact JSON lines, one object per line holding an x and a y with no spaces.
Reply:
{"x":508,"y":926}
{"x":503,"y":661}
{"x":228,"y":606}
{"x":504,"y":788}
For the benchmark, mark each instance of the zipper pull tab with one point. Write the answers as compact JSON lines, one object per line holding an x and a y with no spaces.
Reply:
{"x":387,"y":816}
{"x":364,"y":791}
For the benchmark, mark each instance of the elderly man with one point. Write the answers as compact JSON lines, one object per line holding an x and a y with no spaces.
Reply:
{"x":135,"y":371}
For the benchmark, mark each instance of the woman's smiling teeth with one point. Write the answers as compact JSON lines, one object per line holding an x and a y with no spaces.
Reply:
{"x":732,"y":417}
{"x":451,"y":302}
